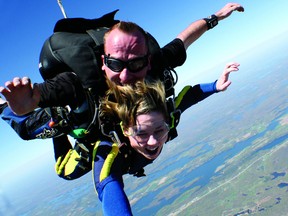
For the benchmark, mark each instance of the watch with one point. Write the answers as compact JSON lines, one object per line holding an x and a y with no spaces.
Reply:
{"x":211,"y":21}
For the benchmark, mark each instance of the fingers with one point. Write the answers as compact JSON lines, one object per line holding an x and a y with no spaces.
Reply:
{"x":239,"y":8}
{"x":228,"y":9}
{"x":232,"y":64}
{"x":230,"y":67}
{"x":235,"y":7}
{"x":5,"y":92}
{"x":11,"y":86}
{"x":17,"y":82}
{"x":223,"y":82}
{"x":20,"y":82}
{"x":2,"y":91}
{"x":26,"y":81}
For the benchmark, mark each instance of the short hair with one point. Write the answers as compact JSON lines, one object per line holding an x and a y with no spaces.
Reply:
{"x":129,"y":28}
{"x":131,"y":101}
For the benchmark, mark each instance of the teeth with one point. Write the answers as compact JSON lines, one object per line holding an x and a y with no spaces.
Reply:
{"x":152,"y":149}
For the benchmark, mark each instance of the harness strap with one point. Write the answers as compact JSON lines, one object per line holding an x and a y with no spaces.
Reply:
{"x":105,"y":171}
{"x":175,"y":112}
{"x":85,"y":129}
{"x":60,"y":164}
{"x":170,"y":81}
{"x":181,"y":95}
{"x":97,"y":34}
{"x":75,"y":163}
{"x":71,"y":167}
{"x":175,"y":118}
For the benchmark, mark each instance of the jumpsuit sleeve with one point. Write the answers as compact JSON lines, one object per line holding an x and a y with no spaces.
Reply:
{"x":191,"y":95}
{"x":110,"y":188}
{"x":174,"y":53}
{"x":170,"y":56}
{"x":34,"y":125}
{"x":62,"y":90}
{"x":16,"y":122}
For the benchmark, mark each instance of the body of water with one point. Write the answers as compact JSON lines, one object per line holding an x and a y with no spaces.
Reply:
{"x":205,"y":172}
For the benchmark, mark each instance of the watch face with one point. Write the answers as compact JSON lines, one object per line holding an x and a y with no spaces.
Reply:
{"x":211,"y":21}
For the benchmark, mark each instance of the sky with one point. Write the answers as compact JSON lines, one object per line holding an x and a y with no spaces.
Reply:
{"x":26,"y":24}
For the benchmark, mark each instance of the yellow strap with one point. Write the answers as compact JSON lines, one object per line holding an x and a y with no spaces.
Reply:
{"x":181,"y":95}
{"x":105,"y":171}
{"x":60,"y":164}
{"x":94,"y":153}
{"x":69,"y":163}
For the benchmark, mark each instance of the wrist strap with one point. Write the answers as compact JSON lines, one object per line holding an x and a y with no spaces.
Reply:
{"x":211,"y":21}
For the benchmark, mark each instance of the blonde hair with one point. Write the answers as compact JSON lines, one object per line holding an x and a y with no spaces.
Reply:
{"x":125,"y":103}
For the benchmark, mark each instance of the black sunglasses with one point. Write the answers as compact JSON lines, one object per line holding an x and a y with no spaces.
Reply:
{"x":134,"y":65}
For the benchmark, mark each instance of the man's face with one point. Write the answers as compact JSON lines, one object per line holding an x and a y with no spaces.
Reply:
{"x":130,"y":49}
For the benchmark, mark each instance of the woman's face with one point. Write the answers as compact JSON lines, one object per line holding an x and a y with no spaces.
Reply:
{"x":149,"y":134}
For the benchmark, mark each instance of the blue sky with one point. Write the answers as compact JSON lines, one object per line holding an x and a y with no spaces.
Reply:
{"x":26,"y":24}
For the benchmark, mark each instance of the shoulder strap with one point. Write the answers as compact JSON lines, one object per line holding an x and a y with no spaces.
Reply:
{"x":97,"y":34}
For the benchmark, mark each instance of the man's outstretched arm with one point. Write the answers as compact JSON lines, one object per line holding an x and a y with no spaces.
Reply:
{"x":199,"y":27}
{"x":62,"y":90}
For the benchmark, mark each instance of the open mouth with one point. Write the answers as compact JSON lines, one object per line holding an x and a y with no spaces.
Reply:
{"x":152,"y":151}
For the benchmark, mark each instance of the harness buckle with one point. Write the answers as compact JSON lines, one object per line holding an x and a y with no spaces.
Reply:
{"x":169,"y":81}
{"x":175,"y":118}
{"x":112,"y":134}
{"x":83,"y":151}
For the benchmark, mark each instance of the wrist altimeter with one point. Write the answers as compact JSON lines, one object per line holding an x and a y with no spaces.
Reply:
{"x":211,"y":21}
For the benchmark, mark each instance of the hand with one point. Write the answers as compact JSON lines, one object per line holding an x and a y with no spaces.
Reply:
{"x":228,"y":9}
{"x":223,"y":82}
{"x":20,"y":95}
